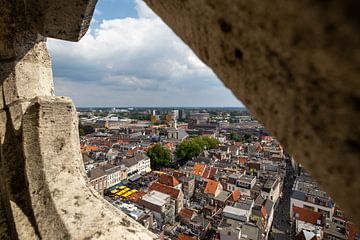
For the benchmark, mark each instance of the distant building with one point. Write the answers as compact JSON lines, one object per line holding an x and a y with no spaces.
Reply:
{"x":198,"y":119}
{"x":137,"y":164}
{"x":115,"y":174}
{"x":306,"y":194}
{"x":98,"y":179}
{"x":161,"y":205}
{"x":176,"y":194}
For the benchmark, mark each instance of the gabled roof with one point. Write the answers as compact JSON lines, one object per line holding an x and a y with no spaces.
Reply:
{"x":96,"y":173}
{"x":90,"y":148}
{"x":268,"y":206}
{"x":187,"y":213}
{"x":305,"y":235}
{"x":136,"y":196}
{"x":168,"y":180}
{"x":209,"y":172}
{"x":182,"y":236}
{"x":173,"y":192}
{"x":263,"y":212}
{"x":198,"y":169}
{"x":211,"y":187}
{"x":235,"y":195}
{"x":307,"y":215}
{"x":129,"y":162}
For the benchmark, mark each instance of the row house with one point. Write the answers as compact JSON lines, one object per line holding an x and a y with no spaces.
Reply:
{"x":98,"y":179}
{"x":176,"y":194}
{"x":196,"y":222}
{"x":115,"y":174}
{"x":137,"y":164}
{"x":161,"y":205}
{"x":308,"y":222}
{"x":307,"y":195}
{"x":271,"y":189}
{"x":242,"y":182}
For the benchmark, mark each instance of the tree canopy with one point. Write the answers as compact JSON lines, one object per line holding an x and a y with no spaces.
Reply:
{"x":234,"y":136}
{"x":192,"y":147}
{"x":159,"y":156}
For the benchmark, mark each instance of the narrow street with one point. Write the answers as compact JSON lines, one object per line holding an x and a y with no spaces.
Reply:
{"x":281,"y":224}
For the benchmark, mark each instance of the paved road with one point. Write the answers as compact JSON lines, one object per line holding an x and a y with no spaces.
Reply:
{"x":281,"y":225}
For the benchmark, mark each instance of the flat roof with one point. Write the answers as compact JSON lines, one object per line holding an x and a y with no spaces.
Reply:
{"x":156,"y":198}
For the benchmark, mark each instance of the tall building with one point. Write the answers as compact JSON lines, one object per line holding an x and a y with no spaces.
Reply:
{"x":176,"y":114}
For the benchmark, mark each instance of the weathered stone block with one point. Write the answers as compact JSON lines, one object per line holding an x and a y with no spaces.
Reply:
{"x":17,"y":110}
{"x":1,"y":97}
{"x":4,"y":223}
{"x":64,"y":205}
{"x":28,"y":80}
{"x":295,"y":65}
{"x":62,"y":19}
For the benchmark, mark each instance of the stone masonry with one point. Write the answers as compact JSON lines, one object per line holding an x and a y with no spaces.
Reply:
{"x":295,"y":65}
{"x":43,"y":188}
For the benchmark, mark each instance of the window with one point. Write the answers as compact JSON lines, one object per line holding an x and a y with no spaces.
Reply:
{"x":339,"y":213}
{"x":309,"y":207}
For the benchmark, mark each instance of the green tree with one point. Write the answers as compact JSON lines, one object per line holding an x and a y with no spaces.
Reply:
{"x":192,"y":147}
{"x":210,"y":143}
{"x":159,"y":156}
{"x":234,"y":136}
{"x":247,"y":138}
{"x":81,"y":132}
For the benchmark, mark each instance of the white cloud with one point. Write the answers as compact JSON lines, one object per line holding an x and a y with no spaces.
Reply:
{"x":133,"y":55}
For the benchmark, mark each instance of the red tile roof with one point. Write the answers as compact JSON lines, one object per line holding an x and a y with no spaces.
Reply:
{"x":89,"y":148}
{"x":168,"y":180}
{"x":235,"y":195}
{"x":351,"y":231}
{"x":263,"y":211}
{"x":307,"y":215}
{"x":209,"y":172}
{"x":173,"y":192}
{"x":187,"y":213}
{"x":136,"y":196}
{"x":182,"y":236}
{"x":243,"y":159}
{"x":178,"y":175}
{"x":211,"y":186}
{"x":213,"y":171}
{"x":198,"y":169}
{"x":206,"y":173}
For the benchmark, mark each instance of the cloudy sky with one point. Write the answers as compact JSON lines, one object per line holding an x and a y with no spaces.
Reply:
{"x":129,"y":57}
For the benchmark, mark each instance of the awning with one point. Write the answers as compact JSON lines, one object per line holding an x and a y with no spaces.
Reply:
{"x":125,"y":182}
{"x":134,"y":178}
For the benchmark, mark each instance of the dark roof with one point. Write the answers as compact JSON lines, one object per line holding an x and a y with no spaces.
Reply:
{"x":96,"y":173}
{"x":269,"y":205}
{"x":129,"y":162}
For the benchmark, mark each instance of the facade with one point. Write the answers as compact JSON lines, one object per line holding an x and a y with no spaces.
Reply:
{"x":271,"y":189}
{"x":98,"y":179}
{"x":306,"y":194}
{"x":161,"y":205}
{"x":115,"y":174}
{"x":176,"y":194}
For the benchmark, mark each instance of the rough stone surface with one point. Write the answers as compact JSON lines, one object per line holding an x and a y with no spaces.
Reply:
{"x":43,"y":192}
{"x":60,"y":19}
{"x":62,"y":213}
{"x":1,"y":97}
{"x":32,"y":76}
{"x":296,"y":66}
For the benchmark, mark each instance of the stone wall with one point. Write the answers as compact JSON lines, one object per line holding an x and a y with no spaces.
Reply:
{"x":296,"y":66}
{"x":43,"y":191}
